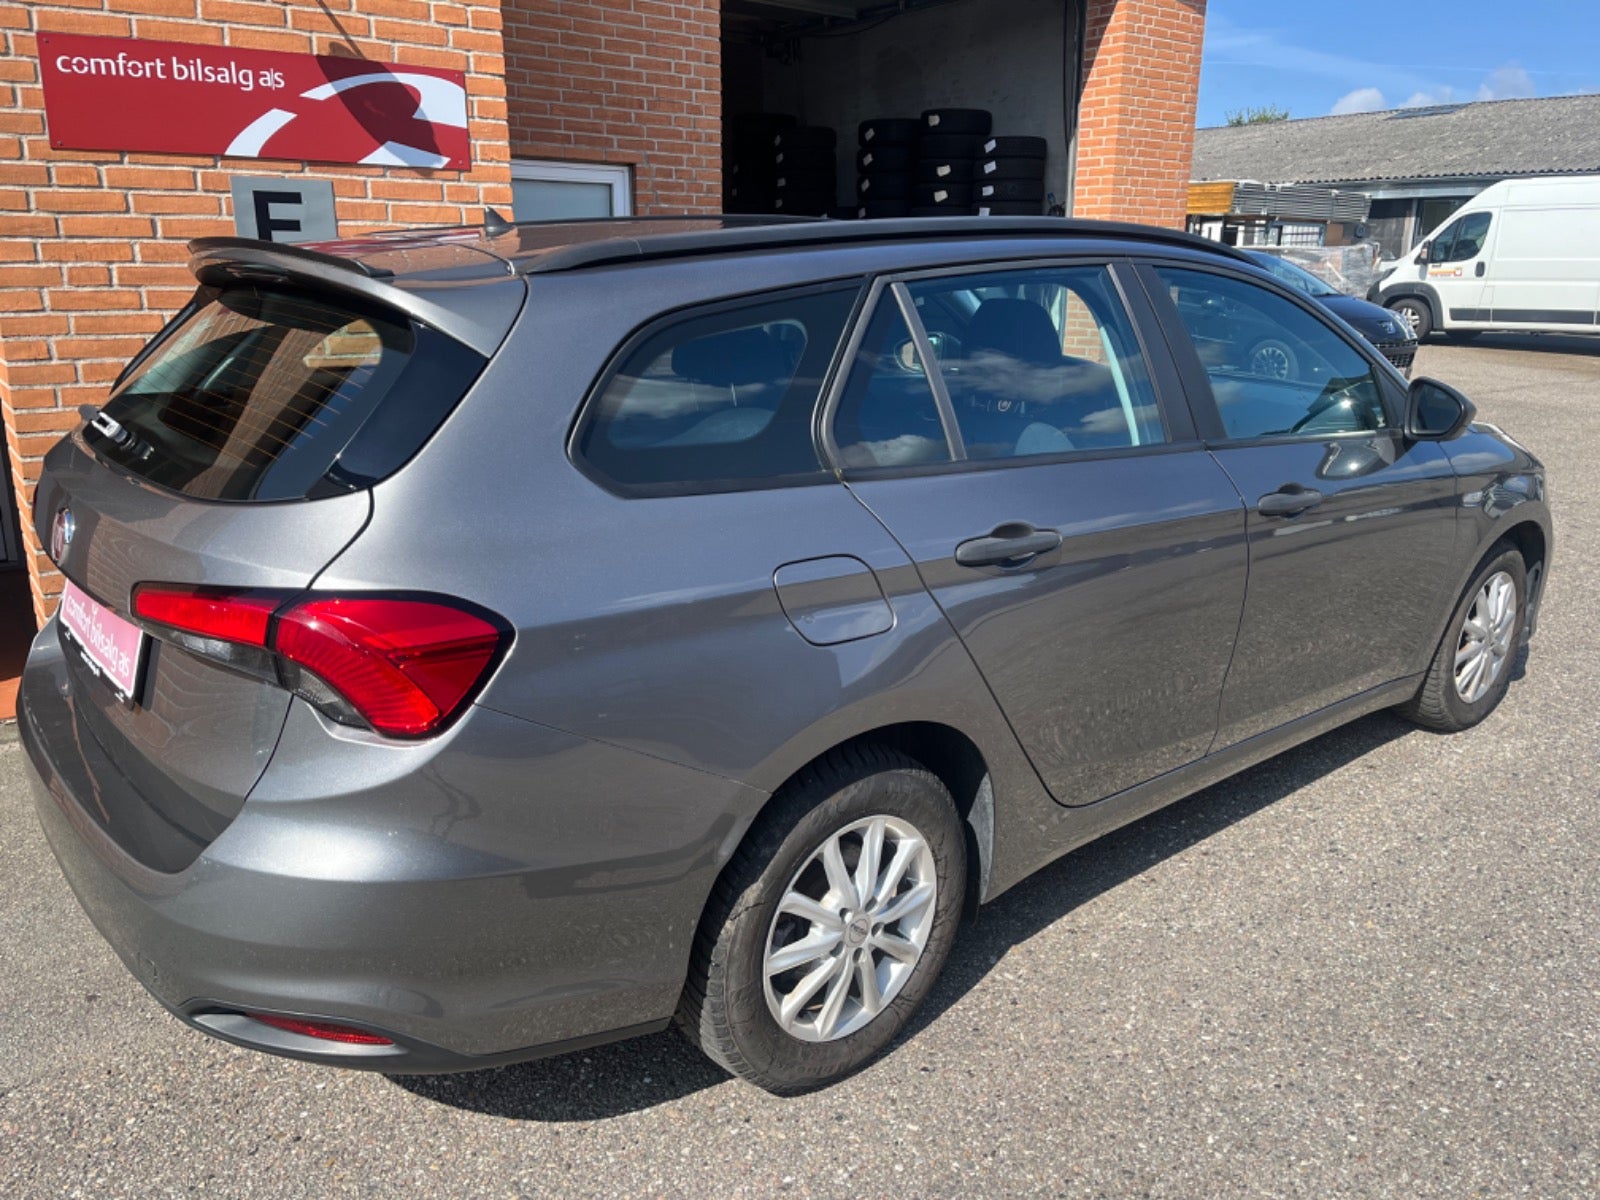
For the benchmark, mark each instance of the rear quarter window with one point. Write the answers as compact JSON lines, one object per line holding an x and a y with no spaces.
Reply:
{"x":267,"y":395}
{"x":716,"y":399}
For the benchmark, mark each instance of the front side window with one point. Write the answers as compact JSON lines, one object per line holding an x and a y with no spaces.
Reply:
{"x":1275,"y":369}
{"x":1463,"y":241}
{"x":718,"y":400}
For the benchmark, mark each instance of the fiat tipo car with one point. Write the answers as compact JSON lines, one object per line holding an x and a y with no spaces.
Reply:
{"x":483,"y":643}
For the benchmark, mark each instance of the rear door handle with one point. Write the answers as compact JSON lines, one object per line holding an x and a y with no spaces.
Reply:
{"x":1009,"y":543}
{"x":1288,"y":501}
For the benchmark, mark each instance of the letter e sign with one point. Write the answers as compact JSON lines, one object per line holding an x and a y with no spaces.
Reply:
{"x":284,"y":210}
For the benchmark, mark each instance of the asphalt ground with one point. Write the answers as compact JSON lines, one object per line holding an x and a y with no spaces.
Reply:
{"x":1366,"y":969}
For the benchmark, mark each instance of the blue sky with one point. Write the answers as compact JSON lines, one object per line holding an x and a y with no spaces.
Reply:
{"x":1358,"y":55}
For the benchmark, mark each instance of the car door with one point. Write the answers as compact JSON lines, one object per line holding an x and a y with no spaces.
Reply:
{"x":1351,"y":525}
{"x":1043,"y":474}
{"x":1457,"y":269}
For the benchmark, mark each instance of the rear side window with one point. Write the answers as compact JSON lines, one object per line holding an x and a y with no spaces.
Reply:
{"x":263,"y":395}
{"x":717,"y":400}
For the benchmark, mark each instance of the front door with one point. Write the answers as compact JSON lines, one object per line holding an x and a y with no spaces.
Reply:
{"x":1083,"y":544}
{"x":1351,"y":525}
{"x":1457,"y":270}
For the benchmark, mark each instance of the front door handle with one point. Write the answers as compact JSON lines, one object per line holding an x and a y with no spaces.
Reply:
{"x":1013,"y":542}
{"x":1288,"y":501}
{"x":1482,"y":267}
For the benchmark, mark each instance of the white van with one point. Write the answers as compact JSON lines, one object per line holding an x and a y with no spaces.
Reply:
{"x":1521,"y":255}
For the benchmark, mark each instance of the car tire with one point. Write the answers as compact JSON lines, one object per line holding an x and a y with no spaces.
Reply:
{"x":733,"y":1001}
{"x":889,"y":131}
{"x":1011,"y":168}
{"x":1016,"y":147}
{"x":1001,"y":190}
{"x":1415,"y":313}
{"x":976,"y":121}
{"x":1273,"y":358}
{"x":1443,"y":702}
{"x":873,"y":159}
{"x":887,"y":186}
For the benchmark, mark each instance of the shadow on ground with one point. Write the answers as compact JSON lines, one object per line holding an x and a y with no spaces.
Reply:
{"x":628,"y":1076}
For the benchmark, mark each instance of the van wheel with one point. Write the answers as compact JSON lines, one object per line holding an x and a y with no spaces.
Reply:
{"x":1416,"y":314}
{"x":829,"y":924}
{"x":1471,"y":669}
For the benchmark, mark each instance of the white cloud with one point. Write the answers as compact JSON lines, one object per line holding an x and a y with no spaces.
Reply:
{"x":1509,"y":82}
{"x":1367,"y":99}
{"x":1443,"y":94}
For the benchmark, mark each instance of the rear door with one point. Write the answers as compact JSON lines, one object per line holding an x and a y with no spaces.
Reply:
{"x":230,"y":456}
{"x":1041,"y":471}
{"x":1352,"y":526}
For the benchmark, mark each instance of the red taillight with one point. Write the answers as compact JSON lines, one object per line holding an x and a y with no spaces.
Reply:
{"x":405,"y":665}
{"x":326,"y":1030}
{"x":230,"y":616}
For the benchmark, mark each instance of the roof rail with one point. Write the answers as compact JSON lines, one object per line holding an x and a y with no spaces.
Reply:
{"x":822,"y":233}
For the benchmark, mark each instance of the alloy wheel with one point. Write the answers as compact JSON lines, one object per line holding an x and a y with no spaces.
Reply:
{"x":1485,"y":642}
{"x":850,"y":929}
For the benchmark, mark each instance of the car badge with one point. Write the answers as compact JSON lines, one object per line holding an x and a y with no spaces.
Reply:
{"x":61,"y":531}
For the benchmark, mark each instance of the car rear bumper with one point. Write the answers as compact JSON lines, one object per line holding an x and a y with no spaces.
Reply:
{"x":502,"y":892}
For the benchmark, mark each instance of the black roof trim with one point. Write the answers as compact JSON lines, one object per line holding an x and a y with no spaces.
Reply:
{"x":798,"y":234}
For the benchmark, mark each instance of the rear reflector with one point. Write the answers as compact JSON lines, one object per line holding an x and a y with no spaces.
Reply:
{"x":405,"y":665}
{"x":326,"y":1030}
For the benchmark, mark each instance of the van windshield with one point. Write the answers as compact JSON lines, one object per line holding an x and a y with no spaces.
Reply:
{"x":257,"y":395}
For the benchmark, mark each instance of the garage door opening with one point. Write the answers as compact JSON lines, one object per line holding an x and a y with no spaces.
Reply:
{"x":932,"y":108}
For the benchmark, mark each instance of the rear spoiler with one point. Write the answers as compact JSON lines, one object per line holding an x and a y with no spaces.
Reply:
{"x":223,"y":260}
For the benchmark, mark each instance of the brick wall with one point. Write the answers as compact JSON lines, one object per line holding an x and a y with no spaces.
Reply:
{"x":632,"y":82}
{"x":1136,"y":118}
{"x":92,"y":244}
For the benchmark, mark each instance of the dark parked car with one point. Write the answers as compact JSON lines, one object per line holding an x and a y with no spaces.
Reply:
{"x":486,"y":643}
{"x":1393,"y":337}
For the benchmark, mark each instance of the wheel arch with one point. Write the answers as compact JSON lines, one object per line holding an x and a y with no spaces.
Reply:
{"x":956,"y":760}
{"x":1416,"y":291}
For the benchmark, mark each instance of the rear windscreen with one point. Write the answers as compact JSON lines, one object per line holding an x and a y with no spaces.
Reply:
{"x":260,"y":395}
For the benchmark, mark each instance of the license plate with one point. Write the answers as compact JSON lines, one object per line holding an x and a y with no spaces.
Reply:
{"x":112,"y":648}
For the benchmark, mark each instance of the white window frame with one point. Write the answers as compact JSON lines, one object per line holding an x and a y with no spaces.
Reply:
{"x":618,"y":178}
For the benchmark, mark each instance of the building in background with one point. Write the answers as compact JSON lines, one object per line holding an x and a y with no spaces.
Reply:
{"x":1415,"y":165}
{"x":569,"y":108}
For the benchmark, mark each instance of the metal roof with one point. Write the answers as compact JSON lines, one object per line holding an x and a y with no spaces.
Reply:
{"x":1559,"y":135}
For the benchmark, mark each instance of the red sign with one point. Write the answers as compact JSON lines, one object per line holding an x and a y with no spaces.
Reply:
{"x":126,"y":94}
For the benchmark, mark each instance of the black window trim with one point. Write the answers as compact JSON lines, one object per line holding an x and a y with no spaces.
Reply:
{"x":1197,"y":384}
{"x":1165,"y":382}
{"x":586,"y":411}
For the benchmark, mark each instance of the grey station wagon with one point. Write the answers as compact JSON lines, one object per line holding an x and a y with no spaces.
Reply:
{"x":484,"y":643}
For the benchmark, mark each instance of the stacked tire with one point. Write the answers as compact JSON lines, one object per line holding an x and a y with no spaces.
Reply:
{"x":949,"y":147}
{"x":805,"y":171}
{"x":749,"y":172}
{"x":886,"y":159}
{"x":1008,"y":180}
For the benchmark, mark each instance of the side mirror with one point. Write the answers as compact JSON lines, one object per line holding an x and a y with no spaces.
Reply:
{"x":1424,"y":252}
{"x":1436,"y":412}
